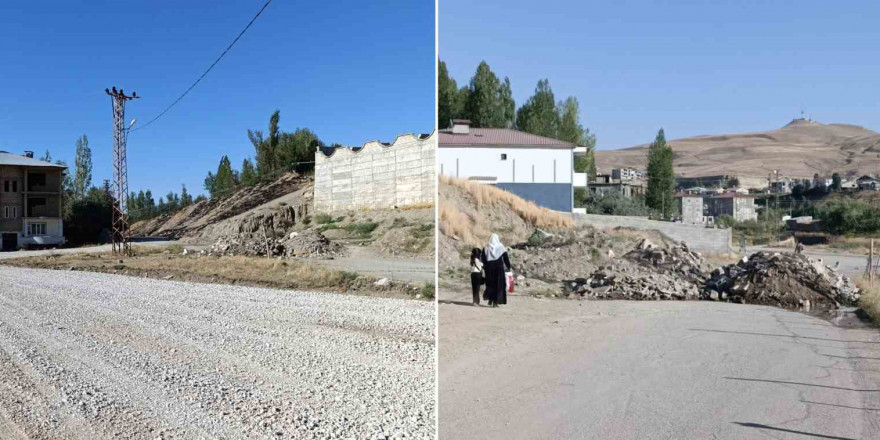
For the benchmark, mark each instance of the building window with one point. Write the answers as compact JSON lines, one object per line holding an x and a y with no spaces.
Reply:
{"x":503,"y":156}
{"x":36,"y":229}
{"x":15,"y":186}
{"x":10,"y":186}
{"x":10,"y":212}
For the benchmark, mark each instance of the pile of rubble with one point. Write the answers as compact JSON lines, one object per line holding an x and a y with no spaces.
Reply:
{"x":305,"y":244}
{"x":781,"y":279}
{"x":647,"y":272}
{"x":676,"y":260}
{"x":633,"y":284}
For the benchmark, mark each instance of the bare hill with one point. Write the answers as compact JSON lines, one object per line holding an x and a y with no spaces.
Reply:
{"x":204,"y":218}
{"x":800,"y":149}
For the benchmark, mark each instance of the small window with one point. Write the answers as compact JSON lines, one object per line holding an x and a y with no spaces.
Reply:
{"x":503,"y":156}
{"x":15,"y":186}
{"x":36,"y":229}
{"x":5,"y":186}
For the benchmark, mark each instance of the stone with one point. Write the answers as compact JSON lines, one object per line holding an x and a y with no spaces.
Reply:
{"x":382,"y":282}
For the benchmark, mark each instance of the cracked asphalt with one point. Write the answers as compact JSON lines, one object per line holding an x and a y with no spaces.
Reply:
{"x":551,"y":369}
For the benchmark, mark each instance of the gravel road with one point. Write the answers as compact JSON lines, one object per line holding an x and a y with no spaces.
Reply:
{"x":92,"y":356}
{"x":553,"y":369}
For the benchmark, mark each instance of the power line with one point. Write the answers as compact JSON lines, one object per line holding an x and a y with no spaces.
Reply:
{"x":209,"y":68}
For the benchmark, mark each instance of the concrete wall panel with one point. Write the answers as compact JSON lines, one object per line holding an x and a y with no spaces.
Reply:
{"x":376,"y":176}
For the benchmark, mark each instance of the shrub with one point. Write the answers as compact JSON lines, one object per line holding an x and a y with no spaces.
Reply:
{"x":362,"y":229}
{"x":427,"y":290}
{"x":322,"y":218}
{"x":611,"y":204}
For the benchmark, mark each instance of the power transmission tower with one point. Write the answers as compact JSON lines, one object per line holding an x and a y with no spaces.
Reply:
{"x":121,"y":240}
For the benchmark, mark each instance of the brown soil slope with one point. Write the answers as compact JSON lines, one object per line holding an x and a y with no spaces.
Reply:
{"x":800,"y":149}
{"x":289,"y":190}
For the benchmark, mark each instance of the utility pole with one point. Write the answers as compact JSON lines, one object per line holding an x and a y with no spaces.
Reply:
{"x":121,"y":240}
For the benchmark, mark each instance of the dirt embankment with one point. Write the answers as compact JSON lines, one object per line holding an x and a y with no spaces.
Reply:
{"x":276,"y":219}
{"x":581,"y":262}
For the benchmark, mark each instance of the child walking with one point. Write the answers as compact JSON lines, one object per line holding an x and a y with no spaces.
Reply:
{"x":476,"y":273}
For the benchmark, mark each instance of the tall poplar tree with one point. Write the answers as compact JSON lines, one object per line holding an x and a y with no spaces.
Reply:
{"x":660,"y":194}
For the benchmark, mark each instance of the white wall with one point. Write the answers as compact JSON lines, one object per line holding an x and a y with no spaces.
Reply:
{"x":523,"y":165}
{"x":377,"y":176}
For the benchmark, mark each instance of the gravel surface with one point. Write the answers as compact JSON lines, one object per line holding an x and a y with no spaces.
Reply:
{"x":86,"y":355}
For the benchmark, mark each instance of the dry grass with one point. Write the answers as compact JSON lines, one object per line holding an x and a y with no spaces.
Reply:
{"x":530,"y":212}
{"x":459,"y":224}
{"x":239,"y":270}
{"x":870,"y":299}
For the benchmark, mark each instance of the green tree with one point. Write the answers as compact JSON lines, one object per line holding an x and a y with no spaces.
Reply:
{"x":185,"y":197}
{"x":835,"y":182}
{"x":248,"y":173}
{"x":296,"y":151}
{"x":539,"y":114}
{"x":224,"y":181}
{"x":450,"y":99}
{"x":489,"y":102}
{"x":82,"y":180}
{"x":210,"y":181}
{"x":660,"y":193}
{"x":66,"y":190}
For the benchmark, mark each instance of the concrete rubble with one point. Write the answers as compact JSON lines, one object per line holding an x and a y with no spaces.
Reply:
{"x":781,"y":279}
{"x":674,"y":272}
{"x":305,"y":244}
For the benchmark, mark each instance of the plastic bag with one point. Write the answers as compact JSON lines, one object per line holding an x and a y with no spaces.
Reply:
{"x":509,"y":277}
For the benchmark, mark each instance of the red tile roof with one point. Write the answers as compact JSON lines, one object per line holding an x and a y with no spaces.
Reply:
{"x":498,"y":137}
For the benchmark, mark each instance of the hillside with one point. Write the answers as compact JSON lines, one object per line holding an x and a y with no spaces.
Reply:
{"x":282,"y":210}
{"x":799,"y":149}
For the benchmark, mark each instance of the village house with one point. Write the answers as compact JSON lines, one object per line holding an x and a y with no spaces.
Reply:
{"x":536,"y":168}
{"x":868,"y":183}
{"x":30,"y":202}
{"x":706,"y":208}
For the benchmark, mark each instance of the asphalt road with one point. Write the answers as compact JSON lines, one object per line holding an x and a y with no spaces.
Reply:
{"x":78,"y":250}
{"x":93,"y":356}
{"x":367,"y":262}
{"x":553,"y":369}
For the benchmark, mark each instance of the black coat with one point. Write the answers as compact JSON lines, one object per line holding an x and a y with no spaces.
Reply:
{"x":496,"y":281}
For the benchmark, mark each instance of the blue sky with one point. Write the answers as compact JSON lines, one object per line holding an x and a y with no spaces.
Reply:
{"x":691,"y":67}
{"x":351,"y":71}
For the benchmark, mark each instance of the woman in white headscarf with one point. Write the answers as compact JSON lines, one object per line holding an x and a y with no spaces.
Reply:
{"x":495,"y":264}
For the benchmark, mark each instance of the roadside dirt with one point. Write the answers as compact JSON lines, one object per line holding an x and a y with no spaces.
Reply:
{"x":184,"y":264}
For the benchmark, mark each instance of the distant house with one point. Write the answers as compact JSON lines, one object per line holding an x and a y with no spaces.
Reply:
{"x":702,"y":209}
{"x":692,"y":209}
{"x":30,"y":202}
{"x":822,"y":181}
{"x":868,"y":183}
{"x":536,"y":168}
{"x":849,"y":184}
{"x":739,"y":206}
{"x":625,"y":174}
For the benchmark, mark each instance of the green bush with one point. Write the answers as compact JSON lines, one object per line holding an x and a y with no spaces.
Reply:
{"x":427,"y":290}
{"x":611,"y":204}
{"x":322,"y":218}
{"x":363,"y":229}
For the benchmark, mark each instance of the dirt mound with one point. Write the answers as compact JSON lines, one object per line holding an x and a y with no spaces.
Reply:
{"x":304,"y":244}
{"x":214,"y":214}
{"x":781,"y":279}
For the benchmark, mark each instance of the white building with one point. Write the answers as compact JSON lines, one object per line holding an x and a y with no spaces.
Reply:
{"x":533,"y":167}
